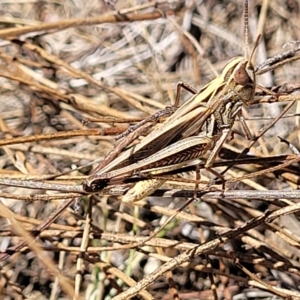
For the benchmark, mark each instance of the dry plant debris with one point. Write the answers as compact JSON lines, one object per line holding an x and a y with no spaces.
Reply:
{"x":73,"y":75}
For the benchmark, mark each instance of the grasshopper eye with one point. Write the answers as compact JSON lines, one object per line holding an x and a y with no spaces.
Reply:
{"x":241,"y":76}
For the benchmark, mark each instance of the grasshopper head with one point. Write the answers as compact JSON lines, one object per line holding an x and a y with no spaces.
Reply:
{"x":240,"y":79}
{"x":243,"y":80}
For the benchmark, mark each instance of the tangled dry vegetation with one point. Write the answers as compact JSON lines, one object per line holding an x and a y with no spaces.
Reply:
{"x":67,"y":61}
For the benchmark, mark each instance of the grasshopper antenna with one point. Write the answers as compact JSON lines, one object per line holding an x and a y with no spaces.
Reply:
{"x":246,"y":35}
{"x":246,"y":29}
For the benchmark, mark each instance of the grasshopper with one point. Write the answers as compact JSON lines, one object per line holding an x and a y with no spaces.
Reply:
{"x":200,"y":125}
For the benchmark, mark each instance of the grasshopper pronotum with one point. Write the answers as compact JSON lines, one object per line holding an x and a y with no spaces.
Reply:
{"x":200,"y":125}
